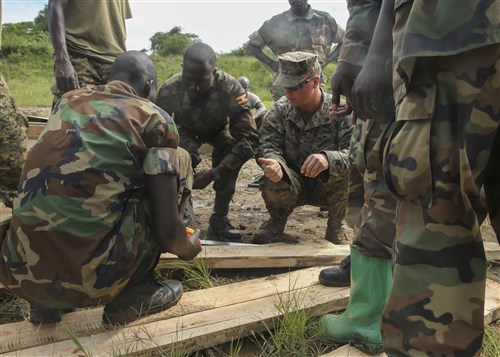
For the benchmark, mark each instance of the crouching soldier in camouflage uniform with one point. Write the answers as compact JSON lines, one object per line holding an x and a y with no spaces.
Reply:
{"x":303,"y":152}
{"x":210,"y":106}
{"x":98,"y":202}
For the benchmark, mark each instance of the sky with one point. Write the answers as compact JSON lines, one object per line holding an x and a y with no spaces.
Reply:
{"x":222,"y":24}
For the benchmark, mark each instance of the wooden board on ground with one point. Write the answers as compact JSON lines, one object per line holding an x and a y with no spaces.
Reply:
{"x":202,"y":319}
{"x":350,"y":351}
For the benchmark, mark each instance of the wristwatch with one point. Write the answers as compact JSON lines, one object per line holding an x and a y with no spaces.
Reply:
{"x":215,"y":175}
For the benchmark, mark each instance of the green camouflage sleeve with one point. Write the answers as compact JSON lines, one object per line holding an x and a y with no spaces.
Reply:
{"x":242,"y":128}
{"x":339,"y":159}
{"x":363,"y":15}
{"x":161,"y":138}
{"x":13,"y":126}
{"x":272,"y":136}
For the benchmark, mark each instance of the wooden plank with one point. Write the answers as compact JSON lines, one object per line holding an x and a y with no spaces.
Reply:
{"x":276,"y":255}
{"x":34,"y":130}
{"x":194,"y":331}
{"x":350,"y":351}
{"x":21,"y":335}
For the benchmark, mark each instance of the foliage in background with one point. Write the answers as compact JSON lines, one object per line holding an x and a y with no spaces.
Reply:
{"x":41,"y":21}
{"x":171,"y":43}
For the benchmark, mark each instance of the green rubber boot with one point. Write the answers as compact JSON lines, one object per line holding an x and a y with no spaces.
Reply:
{"x":359,"y":324}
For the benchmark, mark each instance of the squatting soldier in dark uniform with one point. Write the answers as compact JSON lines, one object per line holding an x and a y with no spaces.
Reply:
{"x":210,"y":106}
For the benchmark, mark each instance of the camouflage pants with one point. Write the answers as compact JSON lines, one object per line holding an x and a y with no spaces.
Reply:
{"x":13,"y":126}
{"x":90,"y":73}
{"x":437,"y":160}
{"x":222,"y":144}
{"x":371,"y":208}
{"x":125,"y":257}
{"x":325,"y":191}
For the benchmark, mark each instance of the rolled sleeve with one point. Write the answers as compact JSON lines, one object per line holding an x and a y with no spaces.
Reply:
{"x":338,"y":161}
{"x":161,"y":161}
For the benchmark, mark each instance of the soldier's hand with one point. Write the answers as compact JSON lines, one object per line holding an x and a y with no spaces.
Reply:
{"x":192,"y":248}
{"x":272,"y":169}
{"x":66,"y":77}
{"x":202,"y":180}
{"x":314,"y":165}
{"x":342,"y":82}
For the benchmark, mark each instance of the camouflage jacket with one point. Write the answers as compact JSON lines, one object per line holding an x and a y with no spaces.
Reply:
{"x":287,"y":32}
{"x":441,"y":28}
{"x":226,"y":104}
{"x":285,"y":137}
{"x":80,"y":206}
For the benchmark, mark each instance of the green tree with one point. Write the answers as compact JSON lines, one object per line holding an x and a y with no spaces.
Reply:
{"x":173,"y":42}
{"x":41,"y":21}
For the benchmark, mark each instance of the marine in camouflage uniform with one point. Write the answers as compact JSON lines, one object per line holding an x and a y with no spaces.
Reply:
{"x":221,"y":117}
{"x":81,"y":227}
{"x":13,"y":126}
{"x":444,"y":147}
{"x":86,"y":38}
{"x":299,"y":29}
{"x":290,"y":135}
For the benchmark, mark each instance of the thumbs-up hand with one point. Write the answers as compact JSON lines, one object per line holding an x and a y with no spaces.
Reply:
{"x":272,"y":169}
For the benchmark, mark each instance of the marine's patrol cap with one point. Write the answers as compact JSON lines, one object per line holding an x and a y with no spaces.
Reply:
{"x":296,"y":67}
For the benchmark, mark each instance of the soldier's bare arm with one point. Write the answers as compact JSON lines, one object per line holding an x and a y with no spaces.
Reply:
{"x":374,"y":73}
{"x":168,"y":227}
{"x":65,"y":75}
{"x":261,"y":56}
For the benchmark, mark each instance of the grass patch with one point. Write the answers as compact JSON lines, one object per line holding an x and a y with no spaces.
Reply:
{"x":491,"y":340}
{"x":295,"y":333}
{"x":12,"y":309}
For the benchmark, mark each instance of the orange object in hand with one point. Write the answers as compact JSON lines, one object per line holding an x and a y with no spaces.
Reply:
{"x":189,"y":231}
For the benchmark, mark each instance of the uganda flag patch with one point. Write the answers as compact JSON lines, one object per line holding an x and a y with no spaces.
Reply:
{"x":242,"y":99}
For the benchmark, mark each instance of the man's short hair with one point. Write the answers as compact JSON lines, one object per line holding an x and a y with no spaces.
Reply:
{"x":200,"y":52}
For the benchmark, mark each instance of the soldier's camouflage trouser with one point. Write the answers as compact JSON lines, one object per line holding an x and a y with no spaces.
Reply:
{"x":371,"y":208}
{"x":90,"y":73}
{"x":222,"y":144}
{"x":437,"y":160}
{"x":325,"y":191}
{"x":127,"y":256}
{"x":13,"y":126}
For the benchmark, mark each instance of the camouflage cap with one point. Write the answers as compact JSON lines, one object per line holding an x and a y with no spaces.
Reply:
{"x":296,"y":67}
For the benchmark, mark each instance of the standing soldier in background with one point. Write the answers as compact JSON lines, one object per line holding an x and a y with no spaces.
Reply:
{"x":87,"y":37}
{"x":210,"y":106}
{"x":299,"y":29}
{"x":371,"y":207}
{"x":13,"y":127}
{"x":443,"y":148}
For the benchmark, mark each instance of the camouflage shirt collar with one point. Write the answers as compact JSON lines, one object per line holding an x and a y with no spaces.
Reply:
{"x":308,"y":16}
{"x":318,"y":118}
{"x":122,"y":86}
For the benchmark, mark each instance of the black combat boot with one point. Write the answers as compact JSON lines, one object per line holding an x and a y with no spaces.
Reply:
{"x":147,"y":297}
{"x":337,"y":276}
{"x":220,"y":228}
{"x":269,"y":231}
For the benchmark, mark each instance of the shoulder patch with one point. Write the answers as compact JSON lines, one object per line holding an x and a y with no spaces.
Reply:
{"x":242,"y":99}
